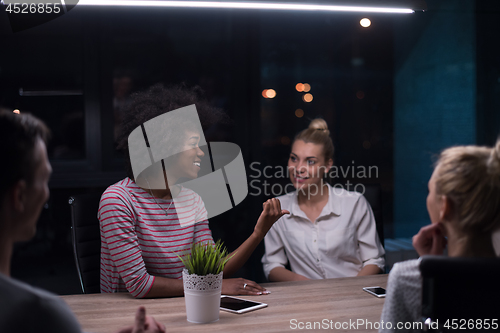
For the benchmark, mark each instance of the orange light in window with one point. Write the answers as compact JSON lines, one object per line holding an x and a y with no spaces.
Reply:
{"x":299,"y":87}
{"x":299,"y":113}
{"x":270,"y":93}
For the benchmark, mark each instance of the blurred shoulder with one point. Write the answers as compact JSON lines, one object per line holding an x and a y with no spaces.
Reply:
{"x":45,"y":309}
{"x":408,"y":269}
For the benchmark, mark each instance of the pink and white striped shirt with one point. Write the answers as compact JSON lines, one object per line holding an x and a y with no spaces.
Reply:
{"x":139,"y":241}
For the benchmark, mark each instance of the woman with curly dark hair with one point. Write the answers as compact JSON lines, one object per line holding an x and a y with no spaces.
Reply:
{"x":142,"y":226}
{"x":24,"y":189}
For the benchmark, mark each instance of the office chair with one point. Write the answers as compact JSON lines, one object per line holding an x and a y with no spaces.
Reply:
{"x":86,"y":240}
{"x":460,"y":293}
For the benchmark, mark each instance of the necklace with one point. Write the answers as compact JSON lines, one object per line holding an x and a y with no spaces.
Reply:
{"x":154,"y":198}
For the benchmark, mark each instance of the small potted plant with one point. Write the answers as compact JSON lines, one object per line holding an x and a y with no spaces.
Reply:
{"x":202,"y":277}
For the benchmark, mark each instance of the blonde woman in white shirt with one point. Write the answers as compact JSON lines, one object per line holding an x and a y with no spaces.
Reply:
{"x":330,"y":232}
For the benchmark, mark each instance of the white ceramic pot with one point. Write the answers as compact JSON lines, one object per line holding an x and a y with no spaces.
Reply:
{"x":202,"y":295}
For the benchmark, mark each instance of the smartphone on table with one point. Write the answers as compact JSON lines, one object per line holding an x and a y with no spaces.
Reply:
{"x":239,"y":305}
{"x":375,"y":291}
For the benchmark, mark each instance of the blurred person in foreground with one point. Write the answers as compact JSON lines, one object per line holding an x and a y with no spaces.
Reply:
{"x":464,"y":208}
{"x":25,"y":171}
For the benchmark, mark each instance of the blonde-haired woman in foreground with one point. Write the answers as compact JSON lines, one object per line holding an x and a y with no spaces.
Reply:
{"x":464,"y":206}
{"x":330,"y":232}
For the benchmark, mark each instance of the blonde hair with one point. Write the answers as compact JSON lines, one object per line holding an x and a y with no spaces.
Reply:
{"x":318,"y":133}
{"x":470,"y":177}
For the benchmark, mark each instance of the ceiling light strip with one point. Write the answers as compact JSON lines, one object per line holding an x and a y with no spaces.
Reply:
{"x":243,"y":5}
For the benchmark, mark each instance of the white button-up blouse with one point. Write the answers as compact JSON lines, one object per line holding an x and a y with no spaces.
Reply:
{"x":341,"y":241}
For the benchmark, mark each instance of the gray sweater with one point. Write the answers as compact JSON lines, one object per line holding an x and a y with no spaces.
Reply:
{"x":25,"y":309}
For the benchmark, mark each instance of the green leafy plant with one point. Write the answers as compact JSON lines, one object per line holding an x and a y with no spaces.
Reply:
{"x":205,"y":258}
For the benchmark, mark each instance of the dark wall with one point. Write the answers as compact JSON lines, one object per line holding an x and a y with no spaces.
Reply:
{"x":488,"y":72}
{"x":446,"y":93}
{"x":434,"y":100}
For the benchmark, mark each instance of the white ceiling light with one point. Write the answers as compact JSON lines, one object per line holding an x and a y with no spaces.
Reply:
{"x":359,"y":7}
{"x":365,"y":23}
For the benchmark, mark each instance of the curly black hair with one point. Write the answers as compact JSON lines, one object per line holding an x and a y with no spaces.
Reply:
{"x":157,"y":100}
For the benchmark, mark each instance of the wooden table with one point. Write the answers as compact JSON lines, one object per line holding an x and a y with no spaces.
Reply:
{"x":290,"y":305}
